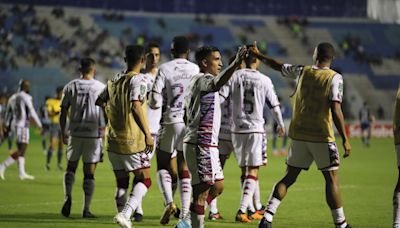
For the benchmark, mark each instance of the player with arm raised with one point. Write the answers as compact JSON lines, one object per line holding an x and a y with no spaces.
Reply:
{"x":203,"y":118}
{"x":168,"y":94}
{"x":316,"y":106}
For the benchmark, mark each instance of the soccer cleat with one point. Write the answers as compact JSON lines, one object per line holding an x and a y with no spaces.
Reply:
{"x":169,"y":210}
{"x":26,"y":177}
{"x":254,"y":215}
{"x":177,"y":213}
{"x":242,"y":217}
{"x":137,"y":217}
{"x":47,"y":167}
{"x":122,"y":221}
{"x":214,"y":216}
{"x":88,"y":215}
{"x":2,"y":171}
{"x":66,"y":209}
{"x":261,"y":211}
{"x":59,"y":167}
{"x":348,"y":226}
{"x":183,"y":223}
{"x":264,"y":223}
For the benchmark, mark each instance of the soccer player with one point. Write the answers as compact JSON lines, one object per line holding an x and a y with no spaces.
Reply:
{"x":224,"y":137}
{"x":21,"y":110}
{"x":83,"y":136}
{"x":316,"y":106}
{"x":128,"y":137}
{"x":365,"y":118}
{"x":250,"y":92}
{"x":396,"y":133}
{"x":53,"y":106}
{"x":225,"y":149}
{"x":203,"y":118}
{"x":168,"y":94}
{"x":153,"y":115}
{"x":45,"y":120}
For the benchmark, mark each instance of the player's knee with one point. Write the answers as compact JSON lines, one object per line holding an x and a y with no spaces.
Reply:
{"x":146,"y":181}
{"x":184,"y":174}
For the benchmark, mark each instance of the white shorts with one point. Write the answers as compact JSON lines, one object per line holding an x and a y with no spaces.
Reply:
{"x":170,"y":137}
{"x":302,"y":154}
{"x":225,"y":147}
{"x":129,"y":162}
{"x":250,"y":149}
{"x":398,"y":154}
{"x":91,"y":149}
{"x":203,"y":163}
{"x":22,"y":134}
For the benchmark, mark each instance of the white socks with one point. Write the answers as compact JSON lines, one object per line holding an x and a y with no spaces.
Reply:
{"x":120,"y":198}
{"x":338,"y":218}
{"x":138,"y":192}
{"x":185,"y":190}
{"x":247,"y":192}
{"x":165,"y":184}
{"x":272,"y":206}
{"x":21,"y":166}
{"x":396,"y":210}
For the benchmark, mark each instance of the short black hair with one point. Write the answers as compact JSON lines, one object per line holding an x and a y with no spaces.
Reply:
{"x":250,"y":58}
{"x":86,"y":65}
{"x":325,"y":51}
{"x":150,"y":46}
{"x":133,"y":53}
{"x":59,"y":89}
{"x":203,"y":52}
{"x":180,"y":45}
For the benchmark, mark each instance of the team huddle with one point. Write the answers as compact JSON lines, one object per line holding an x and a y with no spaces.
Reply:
{"x":191,"y":117}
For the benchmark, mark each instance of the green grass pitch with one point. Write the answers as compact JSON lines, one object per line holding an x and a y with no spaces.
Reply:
{"x":367,"y":180}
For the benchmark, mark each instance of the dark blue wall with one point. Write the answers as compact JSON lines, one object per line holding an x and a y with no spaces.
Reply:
{"x":321,"y":8}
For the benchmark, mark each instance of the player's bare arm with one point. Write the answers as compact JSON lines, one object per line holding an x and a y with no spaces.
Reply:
{"x":63,"y":121}
{"x":137,"y":112}
{"x":338,"y":119}
{"x":274,"y":64}
{"x":225,"y":75}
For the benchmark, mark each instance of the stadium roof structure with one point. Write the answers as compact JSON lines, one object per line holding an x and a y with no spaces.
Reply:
{"x":315,"y":8}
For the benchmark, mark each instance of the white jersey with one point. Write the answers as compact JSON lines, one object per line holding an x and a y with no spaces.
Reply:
{"x":203,"y":111}
{"x":80,"y":95}
{"x":153,"y":115}
{"x":226,"y":113}
{"x":250,"y":91}
{"x":336,"y":91}
{"x":169,"y":87}
{"x":20,"y":109}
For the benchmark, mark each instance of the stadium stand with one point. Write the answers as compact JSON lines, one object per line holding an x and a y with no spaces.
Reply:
{"x":47,"y":41}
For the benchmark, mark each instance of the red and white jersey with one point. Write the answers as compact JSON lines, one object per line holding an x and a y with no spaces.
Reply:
{"x":85,"y":117}
{"x":153,"y":115}
{"x":20,"y":109}
{"x":169,"y":87}
{"x":250,"y":92}
{"x":336,"y":92}
{"x":226,"y":113}
{"x":203,"y":111}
